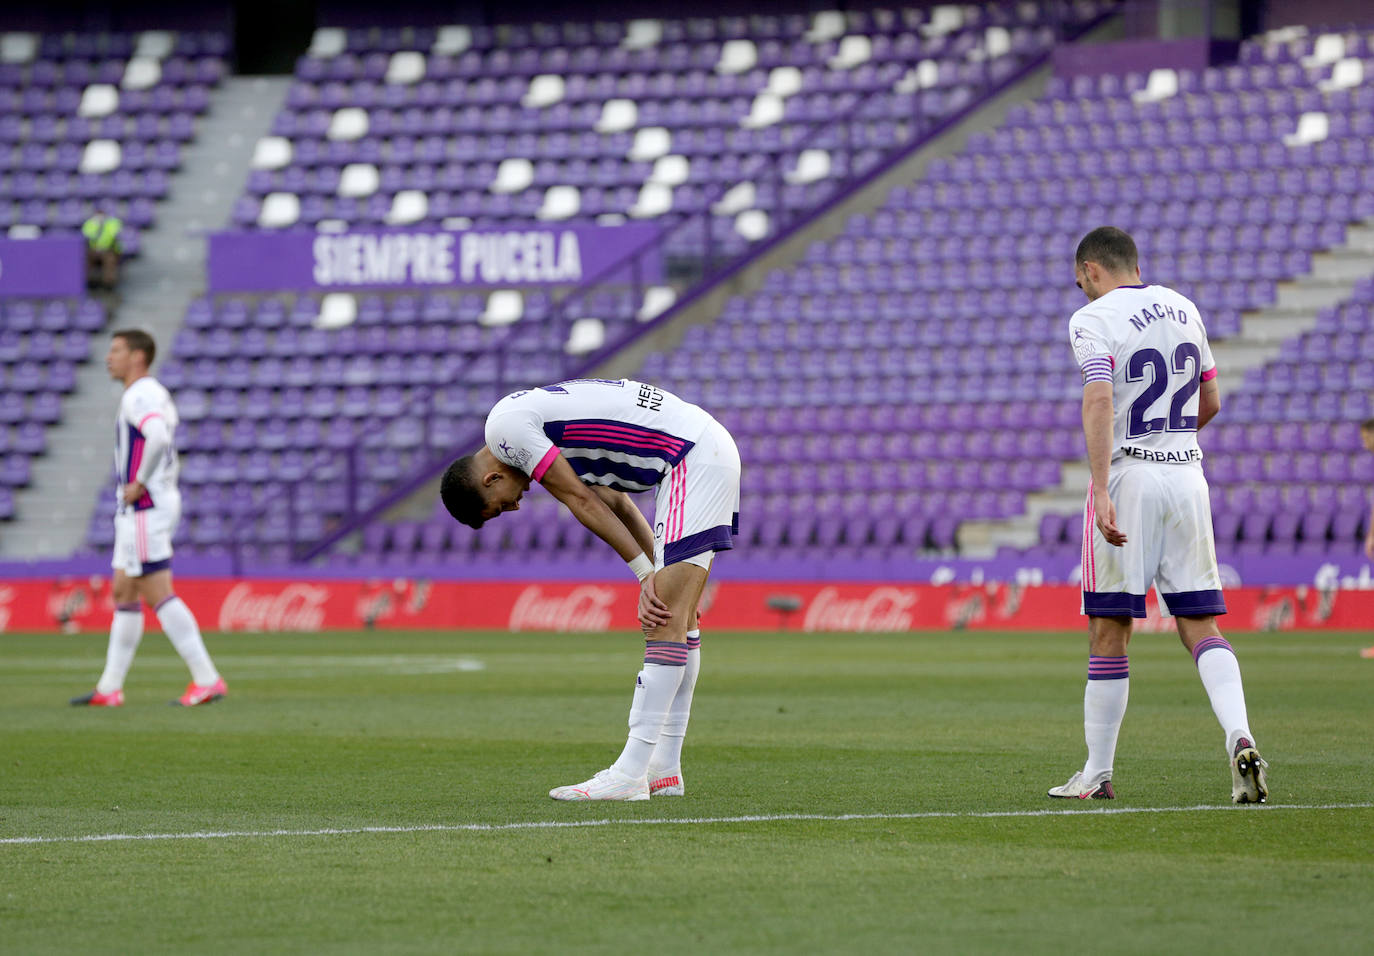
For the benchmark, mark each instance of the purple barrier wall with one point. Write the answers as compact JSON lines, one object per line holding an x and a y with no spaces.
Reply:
{"x":1348,"y":572}
{"x":424,"y":258}
{"x":52,"y":266}
{"x":1140,"y":56}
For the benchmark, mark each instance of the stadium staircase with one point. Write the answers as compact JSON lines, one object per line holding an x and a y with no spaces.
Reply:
{"x":154,"y":291}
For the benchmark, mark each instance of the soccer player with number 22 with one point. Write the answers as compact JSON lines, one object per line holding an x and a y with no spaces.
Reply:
{"x":1149,"y":384}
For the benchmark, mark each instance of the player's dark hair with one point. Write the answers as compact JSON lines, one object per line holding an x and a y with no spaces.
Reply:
{"x":138,"y":341}
{"x":1367,"y":425}
{"x":461,"y":494}
{"x":1111,"y":248}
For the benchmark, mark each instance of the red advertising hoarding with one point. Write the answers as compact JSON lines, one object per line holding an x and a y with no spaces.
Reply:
{"x":224,"y":604}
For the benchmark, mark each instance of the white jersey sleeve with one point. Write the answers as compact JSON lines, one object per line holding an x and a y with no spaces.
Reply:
{"x":1091,"y":346}
{"x":516,"y":436}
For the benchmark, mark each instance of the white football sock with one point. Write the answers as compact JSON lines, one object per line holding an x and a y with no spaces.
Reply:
{"x":1104,"y":707}
{"x":1220,"y":673}
{"x":184,"y":633}
{"x":655,"y":688}
{"x":126,"y":630}
{"x":668,"y":754}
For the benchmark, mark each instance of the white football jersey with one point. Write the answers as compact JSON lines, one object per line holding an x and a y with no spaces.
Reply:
{"x":143,"y":400}
{"x":1150,"y":343}
{"x":619,"y":433}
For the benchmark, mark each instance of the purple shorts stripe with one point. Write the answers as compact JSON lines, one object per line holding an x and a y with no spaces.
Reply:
{"x":1207,"y":644}
{"x":1195,"y":603}
{"x":1113,"y":604}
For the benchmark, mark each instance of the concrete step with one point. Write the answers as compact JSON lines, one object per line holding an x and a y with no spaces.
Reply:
{"x":1344,"y":266}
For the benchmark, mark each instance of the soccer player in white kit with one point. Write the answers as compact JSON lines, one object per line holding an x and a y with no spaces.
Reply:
{"x":149,"y":506}
{"x":1149,"y":384}
{"x":592,"y":443}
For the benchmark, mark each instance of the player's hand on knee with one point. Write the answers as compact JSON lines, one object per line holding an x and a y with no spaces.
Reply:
{"x":652,"y":611}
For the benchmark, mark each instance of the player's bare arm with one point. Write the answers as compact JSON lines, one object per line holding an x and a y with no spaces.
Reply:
{"x":588,"y":507}
{"x":1097,"y":430}
{"x":624,"y":508}
{"x":1208,"y":402}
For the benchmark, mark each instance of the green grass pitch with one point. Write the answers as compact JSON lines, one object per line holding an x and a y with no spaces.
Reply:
{"x":937,"y":748}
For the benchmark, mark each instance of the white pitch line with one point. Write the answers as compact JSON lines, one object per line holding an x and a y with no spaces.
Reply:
{"x":674,"y":821}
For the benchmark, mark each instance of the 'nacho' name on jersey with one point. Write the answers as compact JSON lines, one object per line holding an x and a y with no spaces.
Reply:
{"x":1155,"y":312}
{"x":430,"y":258}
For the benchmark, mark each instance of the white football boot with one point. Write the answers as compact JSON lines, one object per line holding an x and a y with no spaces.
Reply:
{"x":609,"y":784}
{"x":1099,"y":787}
{"x":1248,"y":783}
{"x":666,"y":783}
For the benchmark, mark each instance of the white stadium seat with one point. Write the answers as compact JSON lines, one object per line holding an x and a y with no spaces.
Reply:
{"x":154,"y":44}
{"x":18,"y":47}
{"x":545,"y":89}
{"x":97,"y":100}
{"x":812,"y":165}
{"x":854,"y":50}
{"x":1328,"y":48}
{"x":657,"y":300}
{"x":654,"y":199}
{"x":767,"y":109}
{"x":358,"y":180}
{"x":405,"y":68}
{"x":560,"y":202}
{"x":348,"y":123}
{"x":100,"y":156}
{"x":327,"y":42}
{"x":513,"y":175}
{"x":586,"y":335}
{"x":279,"y":210}
{"x":1312,"y":128}
{"x":141,"y":73}
{"x":1346,"y":74}
{"x":24,"y":231}
{"x":739,"y":198}
{"x":784,"y":81}
{"x":826,"y":25}
{"x":452,"y":40}
{"x":650,"y":143}
{"x":642,"y":34}
{"x":617,"y":116}
{"x":272,"y":152}
{"x":408,"y":206}
{"x":944,"y":19}
{"x":671,"y":170}
{"x":1162,"y":84}
{"x":997,"y":42}
{"x":737,"y":56}
{"x":504,"y":306}
{"x":752,"y":224}
{"x":337,"y":309}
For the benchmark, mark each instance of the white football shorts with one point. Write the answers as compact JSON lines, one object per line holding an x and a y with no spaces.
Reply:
{"x":696,"y":511}
{"x":143,"y":539}
{"x":1166,"y":514}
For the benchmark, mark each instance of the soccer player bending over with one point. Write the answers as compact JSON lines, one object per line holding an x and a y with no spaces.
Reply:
{"x":591,"y":443}
{"x":149,"y":507}
{"x":1149,"y":383}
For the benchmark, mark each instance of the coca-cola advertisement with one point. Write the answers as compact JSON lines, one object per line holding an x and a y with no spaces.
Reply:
{"x":251,"y":605}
